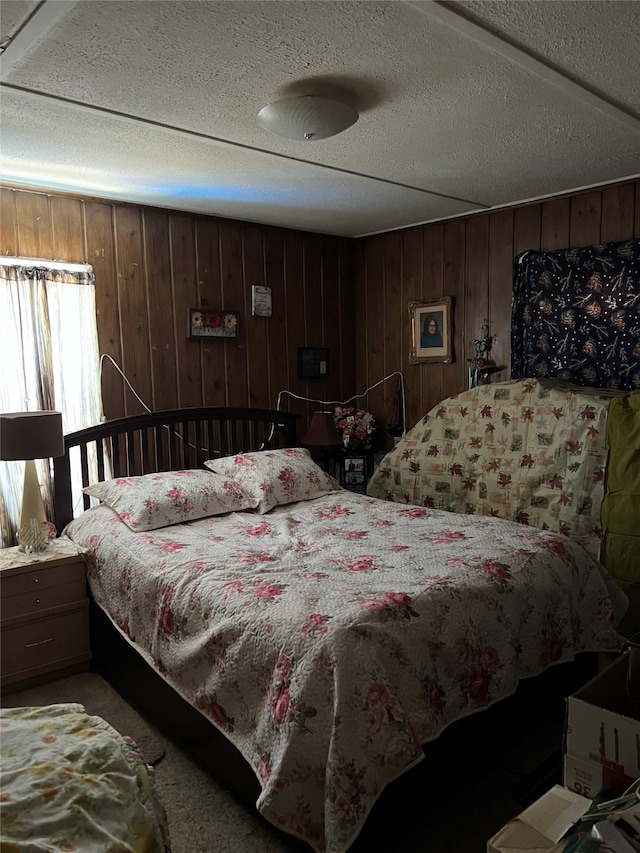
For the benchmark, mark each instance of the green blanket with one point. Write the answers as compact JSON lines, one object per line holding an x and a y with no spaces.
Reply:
{"x":620,"y":551}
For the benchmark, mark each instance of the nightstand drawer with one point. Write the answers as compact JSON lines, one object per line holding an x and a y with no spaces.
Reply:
{"x":40,"y":577}
{"x":45,"y":644}
{"x":39,"y":599}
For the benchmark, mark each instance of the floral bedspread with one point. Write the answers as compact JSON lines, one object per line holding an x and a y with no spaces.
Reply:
{"x":533,"y":451}
{"x":70,"y":782}
{"x":329,"y":638}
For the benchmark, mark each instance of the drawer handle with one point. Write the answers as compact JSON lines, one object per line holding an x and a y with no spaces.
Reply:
{"x":36,"y":601}
{"x":36,"y":580}
{"x":39,"y":643}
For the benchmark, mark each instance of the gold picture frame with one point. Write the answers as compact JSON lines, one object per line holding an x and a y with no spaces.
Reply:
{"x":431,"y":339}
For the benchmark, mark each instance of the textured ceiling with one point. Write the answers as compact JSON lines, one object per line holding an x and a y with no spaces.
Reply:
{"x":464,"y":106}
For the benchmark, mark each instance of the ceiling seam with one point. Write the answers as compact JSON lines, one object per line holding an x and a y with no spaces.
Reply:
{"x":37,"y":24}
{"x":447,"y":14}
{"x":194,"y":134}
{"x":504,"y":206}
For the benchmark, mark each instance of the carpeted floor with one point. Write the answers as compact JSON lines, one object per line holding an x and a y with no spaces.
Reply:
{"x":481,"y":772}
{"x":203,"y":817}
{"x":98,"y":698}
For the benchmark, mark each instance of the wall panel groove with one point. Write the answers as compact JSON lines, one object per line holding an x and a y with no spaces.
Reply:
{"x":151,"y":265}
{"x":472,"y":259}
{"x":352,"y":296}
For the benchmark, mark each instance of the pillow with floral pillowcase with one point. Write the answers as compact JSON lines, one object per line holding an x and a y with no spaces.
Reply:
{"x":170,"y":497}
{"x":276,"y":477}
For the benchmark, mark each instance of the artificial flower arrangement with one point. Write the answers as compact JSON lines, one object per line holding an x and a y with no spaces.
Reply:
{"x":355,"y":426}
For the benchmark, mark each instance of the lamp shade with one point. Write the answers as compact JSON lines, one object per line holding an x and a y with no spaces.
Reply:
{"x":307,"y":117}
{"x":30,"y":435}
{"x":322,"y":431}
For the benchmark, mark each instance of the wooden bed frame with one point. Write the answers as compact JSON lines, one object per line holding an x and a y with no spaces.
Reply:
{"x":143,"y":444}
{"x":165,"y":441}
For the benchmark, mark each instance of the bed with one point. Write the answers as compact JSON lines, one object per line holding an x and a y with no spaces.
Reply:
{"x":70,"y":781}
{"x":326,"y":634}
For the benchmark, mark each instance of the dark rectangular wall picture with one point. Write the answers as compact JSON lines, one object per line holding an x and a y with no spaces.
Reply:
{"x":313,"y":362}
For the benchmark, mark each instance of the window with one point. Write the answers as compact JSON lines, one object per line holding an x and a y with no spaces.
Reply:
{"x":50,"y":360}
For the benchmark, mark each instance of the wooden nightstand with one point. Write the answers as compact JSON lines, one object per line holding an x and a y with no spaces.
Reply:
{"x":44,"y":616}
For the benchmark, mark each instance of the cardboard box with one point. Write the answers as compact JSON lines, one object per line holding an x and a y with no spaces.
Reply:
{"x":602,"y":733}
{"x":588,"y":777}
{"x":539,"y":828}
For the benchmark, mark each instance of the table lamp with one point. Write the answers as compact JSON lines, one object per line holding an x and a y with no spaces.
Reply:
{"x":28,"y":436}
{"x":322,"y":433}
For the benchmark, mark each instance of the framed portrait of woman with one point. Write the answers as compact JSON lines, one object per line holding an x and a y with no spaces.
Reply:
{"x":431,"y":331}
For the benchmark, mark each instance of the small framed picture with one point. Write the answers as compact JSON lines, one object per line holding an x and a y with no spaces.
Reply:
{"x":431,"y":331}
{"x":353,"y":473}
{"x":205,"y":323}
{"x":313,"y":362}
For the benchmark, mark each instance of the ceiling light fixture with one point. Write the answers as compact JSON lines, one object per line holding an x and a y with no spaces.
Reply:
{"x":307,"y":117}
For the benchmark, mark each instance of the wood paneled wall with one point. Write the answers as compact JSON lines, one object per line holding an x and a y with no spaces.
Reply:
{"x":470,"y":259}
{"x":152,"y":265}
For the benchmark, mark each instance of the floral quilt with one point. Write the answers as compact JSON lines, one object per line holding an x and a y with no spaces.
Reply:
{"x":328,"y":639}
{"x":533,"y":451}
{"x":70,"y":782}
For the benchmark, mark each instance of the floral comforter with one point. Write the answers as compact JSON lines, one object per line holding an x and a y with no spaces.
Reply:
{"x":329,"y":638}
{"x":70,"y":782}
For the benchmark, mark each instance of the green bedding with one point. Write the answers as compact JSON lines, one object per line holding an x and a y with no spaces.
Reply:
{"x":620,"y":551}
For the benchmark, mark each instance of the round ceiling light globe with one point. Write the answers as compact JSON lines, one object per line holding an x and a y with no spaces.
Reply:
{"x":307,"y":118}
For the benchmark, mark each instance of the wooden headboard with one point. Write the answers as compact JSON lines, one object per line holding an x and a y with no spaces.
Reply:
{"x":163,"y":441}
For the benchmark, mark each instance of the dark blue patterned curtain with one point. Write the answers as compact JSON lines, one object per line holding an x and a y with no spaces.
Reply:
{"x":576,"y":315}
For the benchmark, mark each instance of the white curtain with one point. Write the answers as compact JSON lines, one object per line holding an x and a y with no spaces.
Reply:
{"x":50,"y":360}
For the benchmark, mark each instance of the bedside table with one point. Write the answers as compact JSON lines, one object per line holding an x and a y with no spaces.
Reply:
{"x":44,"y":615}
